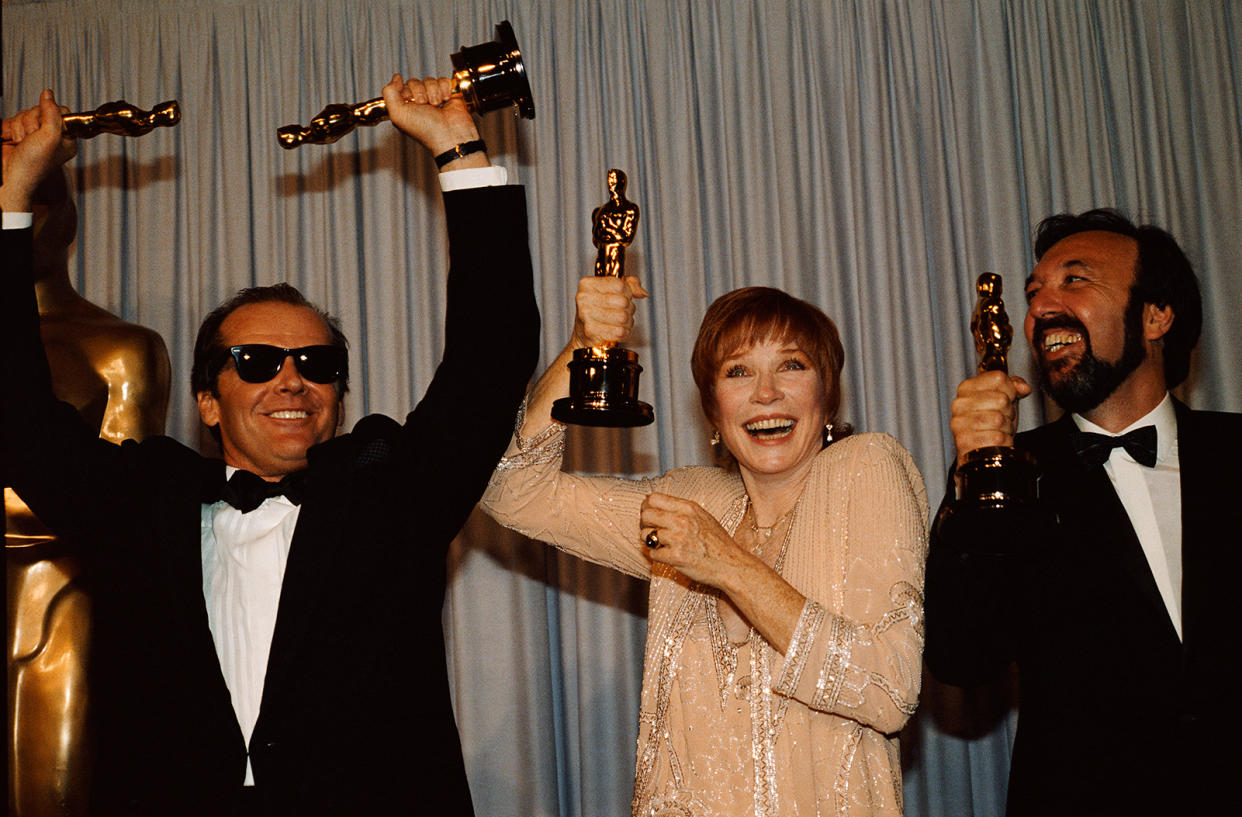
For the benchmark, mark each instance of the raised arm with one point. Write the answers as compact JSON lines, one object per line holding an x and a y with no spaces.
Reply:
{"x":34,"y":146}
{"x":49,"y":453}
{"x":459,"y":429}
{"x":595,"y":518}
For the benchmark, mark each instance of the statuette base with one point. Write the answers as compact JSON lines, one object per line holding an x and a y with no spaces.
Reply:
{"x":603,"y":388}
{"x":998,"y":476}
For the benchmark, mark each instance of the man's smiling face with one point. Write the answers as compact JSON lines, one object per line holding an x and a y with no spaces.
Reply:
{"x":1084,"y":330}
{"x":267,"y":427}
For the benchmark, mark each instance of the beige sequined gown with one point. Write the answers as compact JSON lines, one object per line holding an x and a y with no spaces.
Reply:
{"x":729,"y":729}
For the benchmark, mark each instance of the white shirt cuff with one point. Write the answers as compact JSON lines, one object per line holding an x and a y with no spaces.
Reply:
{"x":20,"y":221}
{"x":490,"y":176}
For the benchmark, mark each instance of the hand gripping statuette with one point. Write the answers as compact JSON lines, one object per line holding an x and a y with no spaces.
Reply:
{"x":490,"y":76}
{"x":996,"y":476}
{"x":121,"y":119}
{"x":603,"y":380}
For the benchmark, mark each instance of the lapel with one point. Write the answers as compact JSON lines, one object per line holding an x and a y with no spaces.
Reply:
{"x":186,"y":564}
{"x":319,"y":534}
{"x":1088,"y":504}
{"x":188,"y":561}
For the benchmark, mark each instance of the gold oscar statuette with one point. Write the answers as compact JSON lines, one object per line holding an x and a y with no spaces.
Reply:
{"x":603,"y":381}
{"x":995,"y":476}
{"x":121,"y":119}
{"x":490,"y":76}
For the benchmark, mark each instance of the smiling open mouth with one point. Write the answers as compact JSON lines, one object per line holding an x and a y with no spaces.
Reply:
{"x":770,"y":429}
{"x":289,"y":415}
{"x":1058,"y":339}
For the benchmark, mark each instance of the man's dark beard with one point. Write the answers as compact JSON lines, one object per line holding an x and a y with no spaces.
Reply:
{"x":1089,"y":381}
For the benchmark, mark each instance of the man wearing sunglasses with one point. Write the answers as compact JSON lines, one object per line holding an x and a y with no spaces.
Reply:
{"x":268,"y":627}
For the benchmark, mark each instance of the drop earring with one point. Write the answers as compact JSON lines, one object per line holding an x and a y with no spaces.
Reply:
{"x":827,"y":433}
{"x":715,"y":439}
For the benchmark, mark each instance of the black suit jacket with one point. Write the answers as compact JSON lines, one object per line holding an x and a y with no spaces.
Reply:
{"x":355,"y":716}
{"x":1117,"y":716}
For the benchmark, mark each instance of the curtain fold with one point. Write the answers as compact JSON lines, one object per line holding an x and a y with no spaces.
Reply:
{"x":871,"y":157}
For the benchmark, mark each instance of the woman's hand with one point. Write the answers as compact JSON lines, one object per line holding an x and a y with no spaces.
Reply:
{"x":605,"y":310}
{"x":691,"y":540}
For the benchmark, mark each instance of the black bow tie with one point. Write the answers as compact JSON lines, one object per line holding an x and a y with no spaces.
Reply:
{"x":1093,"y":449}
{"x":246,"y":491}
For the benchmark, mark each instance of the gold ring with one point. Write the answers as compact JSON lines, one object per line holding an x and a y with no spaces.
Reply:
{"x":652,"y":540}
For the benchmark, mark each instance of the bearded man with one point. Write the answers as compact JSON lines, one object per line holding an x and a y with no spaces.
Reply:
{"x":1111,"y":593}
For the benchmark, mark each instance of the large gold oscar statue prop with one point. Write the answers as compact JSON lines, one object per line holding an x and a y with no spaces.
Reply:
{"x":994,"y":476}
{"x":603,"y":381}
{"x":117,"y":375}
{"x":490,"y":76}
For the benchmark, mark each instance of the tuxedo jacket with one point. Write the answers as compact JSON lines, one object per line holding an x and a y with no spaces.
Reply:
{"x":355,"y":716}
{"x":1116,"y":714}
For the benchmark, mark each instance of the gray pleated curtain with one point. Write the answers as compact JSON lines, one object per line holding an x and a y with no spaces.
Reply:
{"x":873,"y":157}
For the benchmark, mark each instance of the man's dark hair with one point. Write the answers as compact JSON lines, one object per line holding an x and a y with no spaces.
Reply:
{"x":1163,"y":276}
{"x":210,"y":353}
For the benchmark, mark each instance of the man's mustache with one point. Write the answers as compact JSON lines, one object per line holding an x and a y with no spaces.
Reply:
{"x":1045,"y":325}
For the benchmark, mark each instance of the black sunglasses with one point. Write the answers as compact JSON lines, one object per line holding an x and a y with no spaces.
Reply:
{"x":259,"y":363}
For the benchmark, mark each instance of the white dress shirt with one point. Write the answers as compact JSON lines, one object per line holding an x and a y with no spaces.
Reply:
{"x":1152,"y":498}
{"x":244,"y":557}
